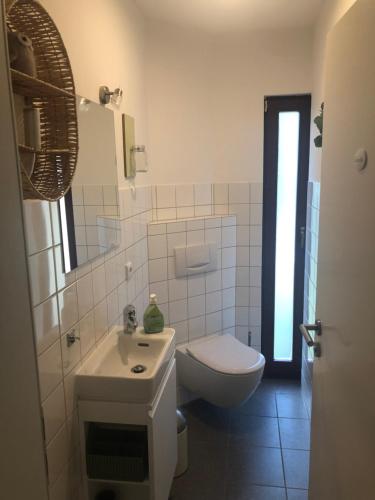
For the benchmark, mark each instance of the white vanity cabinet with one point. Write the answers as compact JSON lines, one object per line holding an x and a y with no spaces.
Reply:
{"x":157,"y":420}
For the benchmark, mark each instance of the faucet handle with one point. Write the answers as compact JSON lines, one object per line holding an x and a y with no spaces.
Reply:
{"x":130,"y":316}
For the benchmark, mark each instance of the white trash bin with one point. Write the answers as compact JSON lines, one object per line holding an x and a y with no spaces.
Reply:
{"x":182,"y":445}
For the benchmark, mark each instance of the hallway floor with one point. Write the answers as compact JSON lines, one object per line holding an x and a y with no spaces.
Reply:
{"x":256,"y":452}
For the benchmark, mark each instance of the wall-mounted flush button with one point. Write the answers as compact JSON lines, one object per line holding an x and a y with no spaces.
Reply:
{"x":361,"y":159}
{"x":128,"y":270}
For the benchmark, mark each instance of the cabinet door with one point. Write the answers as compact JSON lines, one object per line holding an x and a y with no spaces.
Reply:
{"x":162,"y":437}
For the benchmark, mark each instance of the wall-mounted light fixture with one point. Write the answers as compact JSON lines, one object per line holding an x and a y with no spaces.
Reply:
{"x":105,"y":95}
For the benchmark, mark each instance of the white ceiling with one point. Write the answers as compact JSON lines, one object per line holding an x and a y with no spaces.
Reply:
{"x":232,"y":15}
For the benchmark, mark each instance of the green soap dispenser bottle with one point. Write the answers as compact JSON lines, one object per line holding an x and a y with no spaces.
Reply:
{"x":153,"y":319}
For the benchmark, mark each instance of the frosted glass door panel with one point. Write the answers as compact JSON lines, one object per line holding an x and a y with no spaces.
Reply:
{"x":287,"y":176}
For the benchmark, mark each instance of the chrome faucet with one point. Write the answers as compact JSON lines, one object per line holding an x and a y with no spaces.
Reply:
{"x":130,"y":319}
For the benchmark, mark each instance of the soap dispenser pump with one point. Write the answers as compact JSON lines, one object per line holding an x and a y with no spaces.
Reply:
{"x":153,"y":319}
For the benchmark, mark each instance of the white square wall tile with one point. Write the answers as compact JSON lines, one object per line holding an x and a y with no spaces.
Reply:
{"x":161,"y":291}
{"x":42,"y":275}
{"x":87,"y":333}
{"x":176,"y":227}
{"x":242,"y":334}
{"x":256,"y":192}
{"x":256,"y":337}
{"x":157,"y":229}
{"x":256,"y":276}
{"x":196,"y":285}
{"x":71,"y":354}
{"x":158,"y":270}
{"x":221,"y":194}
{"x":110,"y":195}
{"x":256,"y":256}
{"x":46,"y":323}
{"x":255,"y":297}
{"x":242,"y":316}
{"x":175,"y":240}
{"x":197,"y":328}
{"x":177,"y":288}
{"x":165,"y":196}
{"x":239,"y":192}
{"x":112,"y":308}
{"x":213,"y":302}
{"x":202,"y":194}
{"x":256,"y":214}
{"x":242,"y":213}
{"x":255,"y":316}
{"x":229,"y":297}
{"x":50,"y":369}
{"x":77,"y":193}
{"x":157,"y":246}
{"x":166,"y":214}
{"x":255,"y":235}
{"x":202,"y":210}
{"x":100,"y":320}
{"x":38,"y":225}
{"x":184,"y":195}
{"x":196,"y":306}
{"x":242,"y":296}
{"x":99,"y":285}
{"x":213,"y":323}
{"x":185,"y":212}
{"x":229,"y":236}
{"x":54,"y":412}
{"x":243,"y":235}
{"x":229,"y":318}
{"x":228,"y":257}
{"x":194,"y":225}
{"x":243,"y":276}
{"x":213,"y":281}
{"x":85,"y":295}
{"x":178,"y":311}
{"x":228,"y":277}
{"x":57,"y":454}
{"x":243,"y":256}
{"x":68,"y":307}
{"x":195,"y":237}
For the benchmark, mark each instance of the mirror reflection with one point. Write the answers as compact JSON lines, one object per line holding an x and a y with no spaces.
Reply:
{"x":89,"y":212}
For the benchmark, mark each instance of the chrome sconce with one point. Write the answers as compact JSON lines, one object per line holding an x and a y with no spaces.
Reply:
{"x":105,"y":95}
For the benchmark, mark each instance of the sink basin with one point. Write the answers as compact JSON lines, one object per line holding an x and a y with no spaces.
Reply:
{"x":126,"y":368}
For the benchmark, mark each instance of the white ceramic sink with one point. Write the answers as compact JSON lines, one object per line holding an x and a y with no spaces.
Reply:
{"x":107,"y":374}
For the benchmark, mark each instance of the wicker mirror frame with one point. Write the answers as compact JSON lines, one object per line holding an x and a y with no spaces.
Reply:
{"x":53,"y":93}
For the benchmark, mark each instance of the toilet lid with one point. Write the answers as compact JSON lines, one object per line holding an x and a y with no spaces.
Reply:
{"x":225,"y":354}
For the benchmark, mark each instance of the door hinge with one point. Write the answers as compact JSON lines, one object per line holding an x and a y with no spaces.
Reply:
{"x":265,"y":105}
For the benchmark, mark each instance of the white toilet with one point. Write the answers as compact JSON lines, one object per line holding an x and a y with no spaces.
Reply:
{"x":219,"y":369}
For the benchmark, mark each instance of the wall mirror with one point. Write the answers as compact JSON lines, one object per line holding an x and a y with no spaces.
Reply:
{"x":89,"y":212}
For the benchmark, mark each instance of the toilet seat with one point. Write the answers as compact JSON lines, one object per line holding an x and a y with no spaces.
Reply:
{"x":226,"y":355}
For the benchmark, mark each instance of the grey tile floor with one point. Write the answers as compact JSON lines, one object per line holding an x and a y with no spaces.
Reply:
{"x":259,"y":451}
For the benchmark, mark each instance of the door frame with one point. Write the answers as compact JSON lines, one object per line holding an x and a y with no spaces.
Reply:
{"x":274,"y":105}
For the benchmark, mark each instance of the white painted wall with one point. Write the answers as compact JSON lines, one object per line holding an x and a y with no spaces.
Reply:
{"x":105,"y":43}
{"x":331,"y":12}
{"x":205,"y":99}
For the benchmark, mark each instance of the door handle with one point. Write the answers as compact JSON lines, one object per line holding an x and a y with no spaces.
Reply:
{"x":305,"y":330}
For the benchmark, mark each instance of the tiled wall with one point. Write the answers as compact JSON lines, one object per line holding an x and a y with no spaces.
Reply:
{"x":202,"y":304}
{"x":89,"y":300}
{"x":94,"y":234}
{"x":245,"y":201}
{"x":311,"y":268}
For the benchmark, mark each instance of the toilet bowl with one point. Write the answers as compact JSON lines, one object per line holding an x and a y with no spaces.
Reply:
{"x":219,"y":369}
